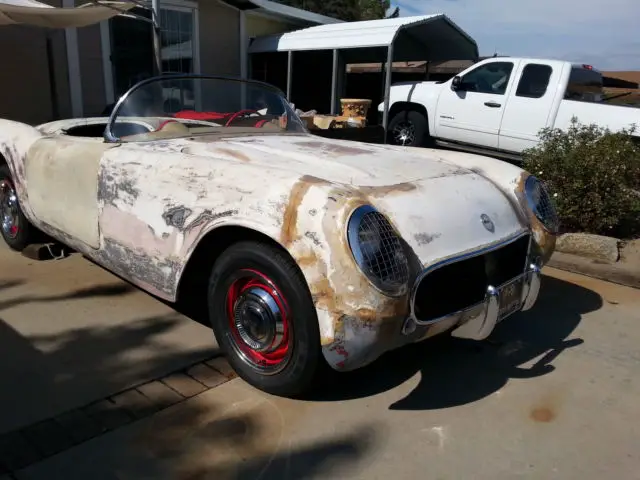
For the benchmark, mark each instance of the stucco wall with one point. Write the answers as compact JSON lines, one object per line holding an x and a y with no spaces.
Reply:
{"x":258,"y":25}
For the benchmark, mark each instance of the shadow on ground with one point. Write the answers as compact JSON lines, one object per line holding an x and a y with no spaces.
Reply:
{"x":217,"y":442}
{"x":49,"y":374}
{"x":456,"y":372}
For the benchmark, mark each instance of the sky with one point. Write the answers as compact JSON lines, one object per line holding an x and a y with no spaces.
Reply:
{"x":602,"y":33}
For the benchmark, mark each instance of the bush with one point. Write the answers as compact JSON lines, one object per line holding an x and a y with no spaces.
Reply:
{"x":593,"y":176}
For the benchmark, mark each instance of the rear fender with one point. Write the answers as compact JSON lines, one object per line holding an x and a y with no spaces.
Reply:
{"x":15,"y":141}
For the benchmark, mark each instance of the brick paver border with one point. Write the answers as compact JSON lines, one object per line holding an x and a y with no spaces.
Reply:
{"x":31,"y":444}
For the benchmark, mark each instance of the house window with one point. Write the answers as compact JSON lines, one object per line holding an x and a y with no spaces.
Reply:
{"x":132,"y":54}
{"x":177,"y":40}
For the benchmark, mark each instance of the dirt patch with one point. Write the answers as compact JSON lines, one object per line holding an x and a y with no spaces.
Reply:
{"x":542,"y":414}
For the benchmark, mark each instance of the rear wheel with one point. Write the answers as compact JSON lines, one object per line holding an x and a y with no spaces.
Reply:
{"x":16,"y":230}
{"x":264,"y":318}
{"x":409,"y":128}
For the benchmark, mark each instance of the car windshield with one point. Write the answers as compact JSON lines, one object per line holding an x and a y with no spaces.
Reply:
{"x":175,"y":106}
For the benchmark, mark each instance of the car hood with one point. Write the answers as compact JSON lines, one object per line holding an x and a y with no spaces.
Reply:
{"x":338,"y":161}
{"x":436,"y":205}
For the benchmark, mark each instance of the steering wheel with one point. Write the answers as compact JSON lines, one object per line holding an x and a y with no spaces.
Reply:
{"x":237,"y":114}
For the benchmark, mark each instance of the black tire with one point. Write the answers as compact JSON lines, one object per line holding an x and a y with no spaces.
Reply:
{"x":303,"y":362}
{"x":24,"y":234}
{"x":415,"y":121}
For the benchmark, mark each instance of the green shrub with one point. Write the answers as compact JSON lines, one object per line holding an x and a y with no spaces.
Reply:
{"x":593,"y":175}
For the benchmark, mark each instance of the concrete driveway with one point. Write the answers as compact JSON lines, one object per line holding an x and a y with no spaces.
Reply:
{"x":553,"y":394}
{"x":72,"y":333}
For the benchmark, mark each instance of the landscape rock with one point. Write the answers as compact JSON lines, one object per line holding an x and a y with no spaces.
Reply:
{"x":597,"y":247}
{"x":630,"y":252}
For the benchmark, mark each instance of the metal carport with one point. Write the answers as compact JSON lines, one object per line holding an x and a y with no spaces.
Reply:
{"x":430,"y":37}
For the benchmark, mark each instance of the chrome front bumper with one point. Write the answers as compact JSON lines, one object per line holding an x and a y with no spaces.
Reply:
{"x":478,"y":321}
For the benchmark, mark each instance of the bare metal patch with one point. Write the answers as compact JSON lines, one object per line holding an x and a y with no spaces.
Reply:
{"x":233,"y":153}
{"x":209,"y":216}
{"x":385,"y":190}
{"x":159,"y":274}
{"x":111,"y":189}
{"x":288,"y":233}
{"x":176,"y":216}
{"x":425,"y":238}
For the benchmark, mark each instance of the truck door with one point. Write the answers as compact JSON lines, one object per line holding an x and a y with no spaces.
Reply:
{"x":529,"y":107}
{"x":472,"y":112}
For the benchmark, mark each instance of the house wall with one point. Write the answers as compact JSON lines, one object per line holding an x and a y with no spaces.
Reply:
{"x":25,"y":79}
{"x":91,"y":70}
{"x":258,"y":25}
{"x":219,"y":27}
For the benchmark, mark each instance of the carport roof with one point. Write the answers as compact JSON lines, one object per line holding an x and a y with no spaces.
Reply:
{"x":419,"y":37}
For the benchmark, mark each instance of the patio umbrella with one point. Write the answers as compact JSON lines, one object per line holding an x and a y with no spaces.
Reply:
{"x":31,"y":12}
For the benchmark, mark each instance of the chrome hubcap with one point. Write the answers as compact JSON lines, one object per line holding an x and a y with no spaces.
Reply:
{"x":404,"y":133}
{"x":9,"y":209}
{"x":259,"y":320}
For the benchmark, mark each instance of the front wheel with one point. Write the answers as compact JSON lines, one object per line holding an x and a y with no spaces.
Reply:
{"x":16,"y":230}
{"x":409,"y":128}
{"x":264,"y":318}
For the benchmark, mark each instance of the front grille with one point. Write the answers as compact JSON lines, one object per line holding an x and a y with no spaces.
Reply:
{"x":460,"y":285}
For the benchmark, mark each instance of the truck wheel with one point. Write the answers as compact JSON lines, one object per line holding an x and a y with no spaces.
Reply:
{"x":16,"y":230}
{"x":409,"y":128}
{"x":264,"y":318}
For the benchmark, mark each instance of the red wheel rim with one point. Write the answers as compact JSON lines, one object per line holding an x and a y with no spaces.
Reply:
{"x":258,"y":316}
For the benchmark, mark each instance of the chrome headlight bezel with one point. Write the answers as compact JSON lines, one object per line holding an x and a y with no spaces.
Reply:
{"x":391,"y":277}
{"x":539,"y":202}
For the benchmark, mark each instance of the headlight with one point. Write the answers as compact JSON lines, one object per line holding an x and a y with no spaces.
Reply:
{"x":540,"y":203}
{"x":377,"y":251}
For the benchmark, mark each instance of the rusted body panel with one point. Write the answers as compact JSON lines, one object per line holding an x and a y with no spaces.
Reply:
{"x":156,"y":200}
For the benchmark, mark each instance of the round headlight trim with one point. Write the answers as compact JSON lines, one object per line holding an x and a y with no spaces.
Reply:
{"x":377,"y":251}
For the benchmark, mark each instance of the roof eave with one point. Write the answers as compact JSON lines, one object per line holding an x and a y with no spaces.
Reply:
{"x":283,"y":11}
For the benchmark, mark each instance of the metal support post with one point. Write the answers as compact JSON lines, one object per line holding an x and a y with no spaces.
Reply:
{"x":387,"y":91}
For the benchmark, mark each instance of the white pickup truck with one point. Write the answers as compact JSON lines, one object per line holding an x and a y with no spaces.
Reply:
{"x":499,"y":105}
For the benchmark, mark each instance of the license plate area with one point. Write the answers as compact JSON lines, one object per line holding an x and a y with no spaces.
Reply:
{"x":510,"y":296}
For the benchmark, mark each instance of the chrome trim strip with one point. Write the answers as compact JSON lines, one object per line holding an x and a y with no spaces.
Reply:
{"x":459,"y":258}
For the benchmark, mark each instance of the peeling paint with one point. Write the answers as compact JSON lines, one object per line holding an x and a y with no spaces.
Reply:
{"x":333,"y":148}
{"x":426,"y":238}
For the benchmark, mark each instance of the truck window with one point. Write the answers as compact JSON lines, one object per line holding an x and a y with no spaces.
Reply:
{"x":534,"y":81}
{"x":491,"y":78}
{"x":585,"y":85}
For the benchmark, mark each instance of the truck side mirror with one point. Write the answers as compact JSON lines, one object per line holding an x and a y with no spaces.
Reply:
{"x":455,"y":83}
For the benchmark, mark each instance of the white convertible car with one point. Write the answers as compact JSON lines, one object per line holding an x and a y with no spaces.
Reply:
{"x":307,"y":251}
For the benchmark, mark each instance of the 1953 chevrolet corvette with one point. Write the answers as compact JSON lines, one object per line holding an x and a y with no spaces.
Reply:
{"x":307,"y":251}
